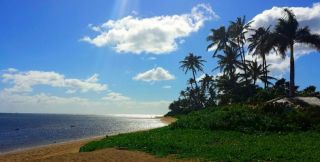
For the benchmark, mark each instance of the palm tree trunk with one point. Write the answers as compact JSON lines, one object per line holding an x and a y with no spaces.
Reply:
{"x":194,"y":77}
{"x":292,"y":72}
{"x":266,"y":68}
{"x":196,"y":98}
{"x":243,"y":58}
{"x":264,"y":65}
{"x":191,"y":85}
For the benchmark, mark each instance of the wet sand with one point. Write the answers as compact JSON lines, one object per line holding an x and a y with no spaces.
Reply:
{"x":69,"y":151}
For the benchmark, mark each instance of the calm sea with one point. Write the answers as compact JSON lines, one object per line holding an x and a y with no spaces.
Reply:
{"x":18,"y":131}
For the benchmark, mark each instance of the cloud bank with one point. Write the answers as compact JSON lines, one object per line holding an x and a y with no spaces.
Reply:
{"x":25,"y":81}
{"x":19,"y":95}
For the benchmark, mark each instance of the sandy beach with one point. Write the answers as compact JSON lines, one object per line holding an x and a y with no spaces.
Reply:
{"x":69,"y":151}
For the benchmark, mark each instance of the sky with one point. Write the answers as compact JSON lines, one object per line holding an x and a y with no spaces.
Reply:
{"x":122,"y":57}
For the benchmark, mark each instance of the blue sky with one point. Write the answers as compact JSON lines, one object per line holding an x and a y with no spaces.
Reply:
{"x":57,"y":56}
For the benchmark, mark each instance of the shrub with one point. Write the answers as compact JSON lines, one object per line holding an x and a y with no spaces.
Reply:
{"x":263,"y":118}
{"x":278,"y":109}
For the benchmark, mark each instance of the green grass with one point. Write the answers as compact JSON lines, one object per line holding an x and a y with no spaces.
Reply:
{"x":217,"y":145}
{"x":197,"y":136}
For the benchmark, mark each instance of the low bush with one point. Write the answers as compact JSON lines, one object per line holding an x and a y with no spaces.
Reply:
{"x":262,"y":118}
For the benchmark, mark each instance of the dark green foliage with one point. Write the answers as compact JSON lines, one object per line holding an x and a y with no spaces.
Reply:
{"x":313,"y":115}
{"x":262,"y":95}
{"x":309,"y":92}
{"x":279,"y":90}
{"x":267,"y":117}
{"x":182,"y":106}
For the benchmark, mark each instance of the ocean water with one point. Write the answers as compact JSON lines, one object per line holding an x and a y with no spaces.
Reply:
{"x":19,"y":131}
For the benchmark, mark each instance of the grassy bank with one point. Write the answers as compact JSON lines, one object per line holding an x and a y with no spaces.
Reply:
{"x":197,"y":136}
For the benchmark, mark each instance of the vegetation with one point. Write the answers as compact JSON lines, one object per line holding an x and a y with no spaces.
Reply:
{"x":239,"y":77}
{"x":218,"y":145}
{"x":268,"y":117}
{"x":226,"y":134}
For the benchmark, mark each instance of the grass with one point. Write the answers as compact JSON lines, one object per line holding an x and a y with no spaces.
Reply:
{"x":206,"y":143}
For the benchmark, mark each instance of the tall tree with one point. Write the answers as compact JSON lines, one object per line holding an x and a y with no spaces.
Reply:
{"x":288,"y":33}
{"x":255,"y":71}
{"x":208,"y":90}
{"x":261,"y":44}
{"x":228,"y":62}
{"x":227,"y":83}
{"x":237,"y":31}
{"x":193,"y":63}
{"x":206,"y":81}
{"x":219,"y":39}
{"x":183,"y":94}
{"x":191,"y":81}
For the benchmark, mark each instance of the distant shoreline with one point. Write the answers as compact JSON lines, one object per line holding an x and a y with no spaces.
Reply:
{"x":57,"y":149}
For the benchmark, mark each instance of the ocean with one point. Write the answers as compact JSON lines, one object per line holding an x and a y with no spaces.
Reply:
{"x":19,"y":131}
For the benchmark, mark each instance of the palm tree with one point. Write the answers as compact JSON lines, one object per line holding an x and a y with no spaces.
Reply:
{"x":193,"y":63}
{"x":288,"y":33}
{"x":206,"y":81}
{"x":220,"y":38}
{"x":207,"y":90}
{"x":255,"y":71}
{"x":227,"y":88}
{"x":237,"y":31}
{"x":228,"y":62}
{"x":183,"y":94}
{"x":261,"y":45}
{"x":191,"y":81}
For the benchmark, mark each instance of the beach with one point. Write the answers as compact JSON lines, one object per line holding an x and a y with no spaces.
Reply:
{"x":69,"y":151}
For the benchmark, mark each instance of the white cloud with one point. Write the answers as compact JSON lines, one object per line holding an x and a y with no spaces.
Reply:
{"x":307,"y":16}
{"x":155,"y":74}
{"x":113,"y":96}
{"x":25,"y":81}
{"x":153,"y":35}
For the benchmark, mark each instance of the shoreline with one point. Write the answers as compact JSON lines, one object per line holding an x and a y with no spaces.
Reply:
{"x":60,"y":149}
